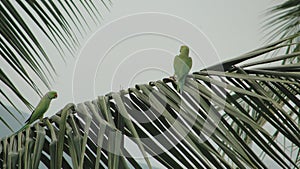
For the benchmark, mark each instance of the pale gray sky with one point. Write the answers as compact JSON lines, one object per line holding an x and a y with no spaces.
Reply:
{"x":123,"y":51}
{"x":117,"y":56}
{"x":138,"y":40}
{"x":230,"y":27}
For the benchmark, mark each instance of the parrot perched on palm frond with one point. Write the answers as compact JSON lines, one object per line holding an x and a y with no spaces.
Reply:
{"x":40,"y":109}
{"x":182,"y":66}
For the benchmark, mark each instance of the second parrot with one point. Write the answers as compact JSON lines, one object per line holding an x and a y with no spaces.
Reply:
{"x":41,"y":108}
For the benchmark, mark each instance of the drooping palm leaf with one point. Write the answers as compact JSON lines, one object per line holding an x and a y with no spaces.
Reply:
{"x":230,"y":117}
{"x":61,"y":22}
{"x":283,"y":21}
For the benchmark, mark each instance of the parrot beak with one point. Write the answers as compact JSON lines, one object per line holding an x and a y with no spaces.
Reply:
{"x":55,"y":96}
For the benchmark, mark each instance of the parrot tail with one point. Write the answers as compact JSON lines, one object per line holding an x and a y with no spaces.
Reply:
{"x":180,"y":86}
{"x":25,"y":126}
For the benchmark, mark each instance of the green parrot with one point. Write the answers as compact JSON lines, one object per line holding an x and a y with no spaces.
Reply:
{"x":41,"y":108}
{"x":182,"y":66}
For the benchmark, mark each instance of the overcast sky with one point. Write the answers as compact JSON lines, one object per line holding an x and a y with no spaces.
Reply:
{"x":138,"y":40}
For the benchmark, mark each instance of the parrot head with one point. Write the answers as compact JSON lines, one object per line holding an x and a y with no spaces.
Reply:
{"x":184,"y":50}
{"x":52,"y":94}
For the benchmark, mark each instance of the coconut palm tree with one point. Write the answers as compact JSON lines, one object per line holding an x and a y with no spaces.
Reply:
{"x":62,"y":23}
{"x":241,"y":113}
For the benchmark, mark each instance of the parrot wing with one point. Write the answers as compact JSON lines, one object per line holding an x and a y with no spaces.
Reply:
{"x":182,"y":66}
{"x":39,"y":111}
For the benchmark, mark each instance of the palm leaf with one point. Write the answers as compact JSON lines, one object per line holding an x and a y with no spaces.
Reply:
{"x":282,"y":22}
{"x":23,"y":52}
{"x":235,"y":118}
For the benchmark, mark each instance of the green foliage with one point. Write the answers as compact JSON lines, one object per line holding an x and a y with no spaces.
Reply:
{"x":283,"y":21}
{"x":231,"y":118}
{"x":62,"y":23}
{"x":241,"y":113}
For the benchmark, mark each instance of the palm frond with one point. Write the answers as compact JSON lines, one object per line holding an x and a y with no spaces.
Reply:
{"x":241,"y":116}
{"x":62,"y":23}
{"x":283,"y":21}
